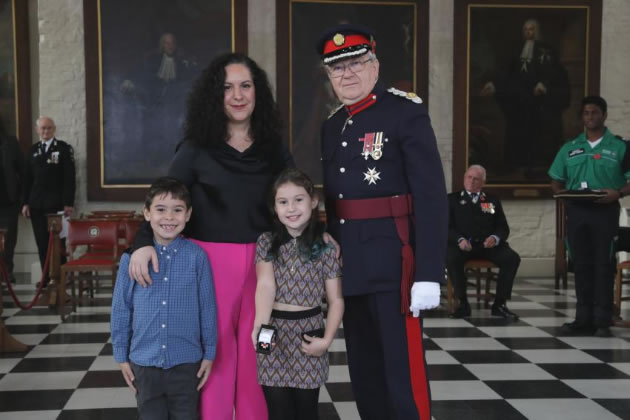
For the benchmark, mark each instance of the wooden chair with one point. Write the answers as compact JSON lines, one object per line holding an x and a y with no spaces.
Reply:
{"x":129,"y":228}
{"x":623,"y":244}
{"x":106,"y":214}
{"x":476,"y":270}
{"x":89,"y":233}
{"x":123,"y":242}
{"x":619,"y":296}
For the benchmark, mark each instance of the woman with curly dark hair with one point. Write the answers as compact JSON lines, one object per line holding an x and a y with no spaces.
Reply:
{"x":231,"y":152}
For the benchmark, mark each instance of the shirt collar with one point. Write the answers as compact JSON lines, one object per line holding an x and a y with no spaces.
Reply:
{"x":366,"y":102}
{"x":608,"y":135}
{"x":174,"y":246}
{"x":595,"y":143}
{"x":48,"y":143}
{"x":471,"y":193}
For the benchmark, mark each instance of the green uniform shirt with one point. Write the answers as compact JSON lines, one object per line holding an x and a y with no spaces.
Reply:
{"x":604,"y":166}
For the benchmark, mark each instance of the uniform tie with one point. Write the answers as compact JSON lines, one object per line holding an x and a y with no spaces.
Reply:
{"x":475,"y":197}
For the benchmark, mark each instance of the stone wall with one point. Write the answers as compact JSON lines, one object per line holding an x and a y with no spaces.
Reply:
{"x":61,"y":94}
{"x":62,"y":77}
{"x":616,"y":65}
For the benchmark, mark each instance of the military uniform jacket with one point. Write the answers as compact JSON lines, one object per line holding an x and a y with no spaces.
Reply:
{"x":49,"y":180}
{"x":409,"y":164}
{"x":475,"y":221}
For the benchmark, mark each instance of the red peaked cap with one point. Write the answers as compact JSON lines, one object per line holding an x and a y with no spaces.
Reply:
{"x":345,"y":41}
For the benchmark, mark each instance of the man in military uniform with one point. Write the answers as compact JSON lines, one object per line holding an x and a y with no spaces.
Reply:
{"x":594,"y":160}
{"x":386,"y":204}
{"x":49,"y":182}
{"x":477,"y":228}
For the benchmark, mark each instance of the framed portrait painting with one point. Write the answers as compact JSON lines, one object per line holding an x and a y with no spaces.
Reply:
{"x":142,"y":58}
{"x":15,"y":104}
{"x":305,"y":96}
{"x":521,"y":70}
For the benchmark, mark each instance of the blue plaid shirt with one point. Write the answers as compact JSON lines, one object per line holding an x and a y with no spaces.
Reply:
{"x":172,"y":321}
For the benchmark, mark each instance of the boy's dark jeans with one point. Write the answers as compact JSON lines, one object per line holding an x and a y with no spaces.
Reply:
{"x":167,"y":394}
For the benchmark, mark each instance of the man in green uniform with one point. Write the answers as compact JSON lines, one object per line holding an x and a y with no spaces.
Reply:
{"x":594,"y":160}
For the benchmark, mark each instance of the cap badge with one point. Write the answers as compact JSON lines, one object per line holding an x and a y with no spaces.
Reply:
{"x":339,"y":40}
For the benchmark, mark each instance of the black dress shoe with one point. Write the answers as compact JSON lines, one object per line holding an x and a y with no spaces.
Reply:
{"x":603,"y":332}
{"x":463,"y":310}
{"x":574,"y":328}
{"x":503,"y":311}
{"x":45,"y":284}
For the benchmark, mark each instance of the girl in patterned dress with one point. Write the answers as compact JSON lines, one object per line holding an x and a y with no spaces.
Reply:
{"x":295,"y":270}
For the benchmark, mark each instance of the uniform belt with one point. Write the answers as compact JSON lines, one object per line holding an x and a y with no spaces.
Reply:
{"x":374,"y":208}
{"x":398,"y":207}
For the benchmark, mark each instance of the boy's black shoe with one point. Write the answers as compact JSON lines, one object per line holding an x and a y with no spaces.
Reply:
{"x":503,"y":311}
{"x":463,"y":310}
{"x":573,"y":328}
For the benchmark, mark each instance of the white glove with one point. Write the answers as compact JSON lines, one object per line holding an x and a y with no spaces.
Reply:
{"x":424,"y":295}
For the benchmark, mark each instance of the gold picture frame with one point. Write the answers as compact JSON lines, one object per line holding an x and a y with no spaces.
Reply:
{"x":15,"y":87}
{"x":516,"y":102}
{"x":134,"y":118}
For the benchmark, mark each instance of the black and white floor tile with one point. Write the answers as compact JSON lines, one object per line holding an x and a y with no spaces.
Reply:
{"x":480,"y":368}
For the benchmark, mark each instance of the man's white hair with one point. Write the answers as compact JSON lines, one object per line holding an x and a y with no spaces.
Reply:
{"x":44,"y":117}
{"x":480,"y":169}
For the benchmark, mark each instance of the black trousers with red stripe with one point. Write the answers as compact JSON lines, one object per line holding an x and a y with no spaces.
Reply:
{"x":386,"y":358}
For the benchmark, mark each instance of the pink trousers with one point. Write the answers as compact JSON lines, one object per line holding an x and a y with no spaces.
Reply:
{"x":232,"y":390}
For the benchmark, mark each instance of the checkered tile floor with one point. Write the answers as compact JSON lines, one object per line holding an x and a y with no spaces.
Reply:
{"x":480,"y":368}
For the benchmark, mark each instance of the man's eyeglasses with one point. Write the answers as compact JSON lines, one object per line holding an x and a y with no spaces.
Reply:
{"x":338,"y":69}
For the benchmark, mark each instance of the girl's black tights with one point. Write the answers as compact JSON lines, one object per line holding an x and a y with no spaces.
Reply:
{"x":291,"y":403}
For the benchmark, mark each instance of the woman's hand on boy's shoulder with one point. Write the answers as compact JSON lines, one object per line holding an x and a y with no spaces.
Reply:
{"x":139,"y":265}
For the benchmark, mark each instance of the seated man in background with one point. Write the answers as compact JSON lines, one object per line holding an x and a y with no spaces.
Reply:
{"x":477,"y":228}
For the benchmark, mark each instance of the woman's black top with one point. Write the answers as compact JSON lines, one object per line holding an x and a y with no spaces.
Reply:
{"x":229,"y":189}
